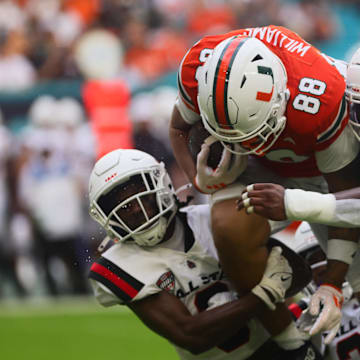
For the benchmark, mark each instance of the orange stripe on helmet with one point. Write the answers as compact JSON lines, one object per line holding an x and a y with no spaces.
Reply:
{"x":222,"y":74}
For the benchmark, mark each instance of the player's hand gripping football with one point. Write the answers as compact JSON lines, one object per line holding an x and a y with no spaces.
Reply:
{"x":276,"y":280}
{"x":209,"y":180}
{"x":323,"y":313}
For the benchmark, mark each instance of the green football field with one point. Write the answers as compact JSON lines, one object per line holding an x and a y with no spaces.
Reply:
{"x":74,"y":329}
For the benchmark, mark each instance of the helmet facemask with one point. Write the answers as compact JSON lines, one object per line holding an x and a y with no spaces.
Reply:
{"x":139,"y":208}
{"x":261,"y":141}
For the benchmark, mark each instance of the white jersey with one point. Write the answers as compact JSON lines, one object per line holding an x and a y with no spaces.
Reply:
{"x":187,"y":267}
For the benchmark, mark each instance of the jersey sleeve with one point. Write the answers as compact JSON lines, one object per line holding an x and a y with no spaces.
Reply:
{"x":187,"y":82}
{"x":121,"y":278}
{"x":198,"y":217}
{"x":346,"y":144}
{"x":104,"y":295}
{"x":187,"y":74}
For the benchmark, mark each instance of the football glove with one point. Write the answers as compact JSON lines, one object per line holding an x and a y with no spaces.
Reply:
{"x":276,"y":280}
{"x":209,"y":180}
{"x":324,"y":312}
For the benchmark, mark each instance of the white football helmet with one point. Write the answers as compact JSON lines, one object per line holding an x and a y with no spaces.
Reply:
{"x":242,"y":94}
{"x":132,"y":197}
{"x":353,"y":92}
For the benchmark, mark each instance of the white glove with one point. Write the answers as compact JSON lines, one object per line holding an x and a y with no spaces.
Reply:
{"x":276,"y":280}
{"x":328,"y":318}
{"x":208,"y":180}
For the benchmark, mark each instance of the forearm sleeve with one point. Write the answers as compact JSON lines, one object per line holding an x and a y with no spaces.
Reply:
{"x":321,"y":208}
{"x":347,"y":213}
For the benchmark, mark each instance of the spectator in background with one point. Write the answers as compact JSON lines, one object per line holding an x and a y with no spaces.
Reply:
{"x":77,"y":139}
{"x":156,"y":34}
{"x":259,"y":12}
{"x":150,"y":113}
{"x":51,"y":193}
{"x":144,"y":117}
{"x":142,"y":57}
{"x":16,"y":71}
{"x":313,"y":20}
{"x":54,"y":28}
{"x":8,"y":252}
{"x":210,"y":18}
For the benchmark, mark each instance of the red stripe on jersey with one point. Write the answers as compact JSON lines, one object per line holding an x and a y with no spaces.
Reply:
{"x":222,"y":76}
{"x":114,"y":279}
{"x":296,"y":310}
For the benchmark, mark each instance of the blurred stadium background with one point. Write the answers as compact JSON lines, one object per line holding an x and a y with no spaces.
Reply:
{"x":79,"y":78}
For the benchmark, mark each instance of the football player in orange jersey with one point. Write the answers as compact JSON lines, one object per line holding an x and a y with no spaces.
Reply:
{"x":283,"y":104}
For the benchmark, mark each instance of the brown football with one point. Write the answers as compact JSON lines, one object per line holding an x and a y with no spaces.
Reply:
{"x":197,"y":136}
{"x":301,"y":270}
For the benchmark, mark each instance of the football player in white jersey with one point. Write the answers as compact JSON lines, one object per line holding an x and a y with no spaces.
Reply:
{"x":163,"y":265}
{"x":346,"y":343}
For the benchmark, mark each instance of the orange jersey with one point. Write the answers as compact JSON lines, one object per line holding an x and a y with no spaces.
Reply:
{"x":316,"y":111}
